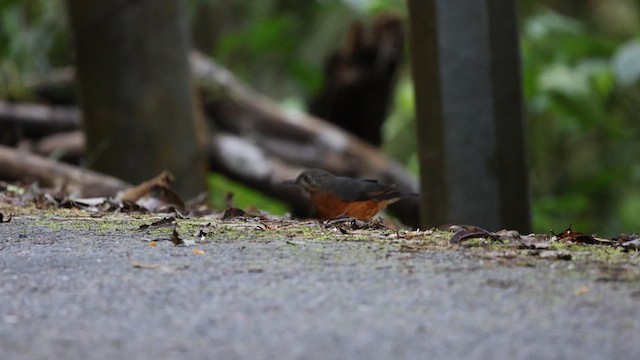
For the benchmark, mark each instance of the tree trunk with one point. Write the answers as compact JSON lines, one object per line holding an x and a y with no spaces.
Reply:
{"x":360,"y":78}
{"x":135,"y":90}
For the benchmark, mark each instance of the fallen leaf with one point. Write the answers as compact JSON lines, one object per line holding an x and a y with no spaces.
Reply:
{"x":632,"y":245}
{"x":175,"y":238}
{"x":88,"y":204}
{"x":198,"y":252}
{"x":164,"y":222}
{"x":43,"y":201}
{"x":199,"y":205}
{"x":233,"y":212}
{"x":154,"y":195}
{"x":628,"y":241}
{"x":161,"y":199}
{"x":127,"y":206}
{"x":203,"y":232}
{"x":468,"y":232}
{"x":7,"y":219}
{"x":133,"y":194}
{"x":576,"y":236}
{"x":622,"y":238}
{"x":153,"y":244}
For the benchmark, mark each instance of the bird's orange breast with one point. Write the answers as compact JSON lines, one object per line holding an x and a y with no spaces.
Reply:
{"x":330,"y":206}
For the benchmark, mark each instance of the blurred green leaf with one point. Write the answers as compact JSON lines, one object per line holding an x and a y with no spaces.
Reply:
{"x":626,"y":63}
{"x":243,"y":197}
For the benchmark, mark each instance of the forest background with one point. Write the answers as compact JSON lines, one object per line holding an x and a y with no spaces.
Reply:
{"x":581,"y":71}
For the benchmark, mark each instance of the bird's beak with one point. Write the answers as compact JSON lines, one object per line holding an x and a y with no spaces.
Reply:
{"x":290,"y":182}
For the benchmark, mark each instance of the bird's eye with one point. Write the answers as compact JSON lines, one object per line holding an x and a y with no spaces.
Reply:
{"x":307,"y":180}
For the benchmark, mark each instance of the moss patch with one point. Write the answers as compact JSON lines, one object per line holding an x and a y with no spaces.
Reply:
{"x":613,"y":261}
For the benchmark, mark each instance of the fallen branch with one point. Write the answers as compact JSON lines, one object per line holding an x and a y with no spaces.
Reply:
{"x":40,"y":118}
{"x":77,"y":181}
{"x":231,"y":155}
{"x":69,"y":145}
{"x":277,"y":130}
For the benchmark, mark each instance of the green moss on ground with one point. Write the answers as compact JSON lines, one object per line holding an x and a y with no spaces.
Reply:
{"x":292,"y":232}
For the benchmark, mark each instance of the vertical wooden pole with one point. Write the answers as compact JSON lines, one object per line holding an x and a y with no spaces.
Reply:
{"x":508,"y":105}
{"x":469,"y":113}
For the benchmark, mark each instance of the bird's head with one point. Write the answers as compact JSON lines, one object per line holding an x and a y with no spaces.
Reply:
{"x":313,"y":180}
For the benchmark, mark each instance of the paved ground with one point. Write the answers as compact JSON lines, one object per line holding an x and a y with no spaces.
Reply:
{"x":99,"y":292}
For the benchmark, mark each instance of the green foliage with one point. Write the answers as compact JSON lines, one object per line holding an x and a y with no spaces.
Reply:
{"x":243,"y":197}
{"x":279,"y":46}
{"x":270,"y":40}
{"x":33,"y":39}
{"x":399,"y":129}
{"x":580,"y":136}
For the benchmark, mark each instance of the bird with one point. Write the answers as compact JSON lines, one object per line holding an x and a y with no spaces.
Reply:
{"x":336,"y":197}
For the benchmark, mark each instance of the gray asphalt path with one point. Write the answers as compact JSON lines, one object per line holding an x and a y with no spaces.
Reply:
{"x":68,"y":292}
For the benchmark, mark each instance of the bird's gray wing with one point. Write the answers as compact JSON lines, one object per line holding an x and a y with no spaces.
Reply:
{"x":361,"y":190}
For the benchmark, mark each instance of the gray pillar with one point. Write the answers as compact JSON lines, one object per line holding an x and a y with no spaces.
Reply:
{"x":480,"y":174}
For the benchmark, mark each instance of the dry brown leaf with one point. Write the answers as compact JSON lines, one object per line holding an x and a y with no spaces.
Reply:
{"x":164,"y":222}
{"x":155,"y":195}
{"x":7,"y":219}
{"x":467,"y":232}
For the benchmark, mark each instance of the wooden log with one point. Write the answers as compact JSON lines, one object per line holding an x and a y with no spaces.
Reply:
{"x":56,"y":87}
{"x":68,"y":146}
{"x":16,"y":164}
{"x":241,"y":160}
{"x":260,"y":119}
{"x":38,"y":118}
